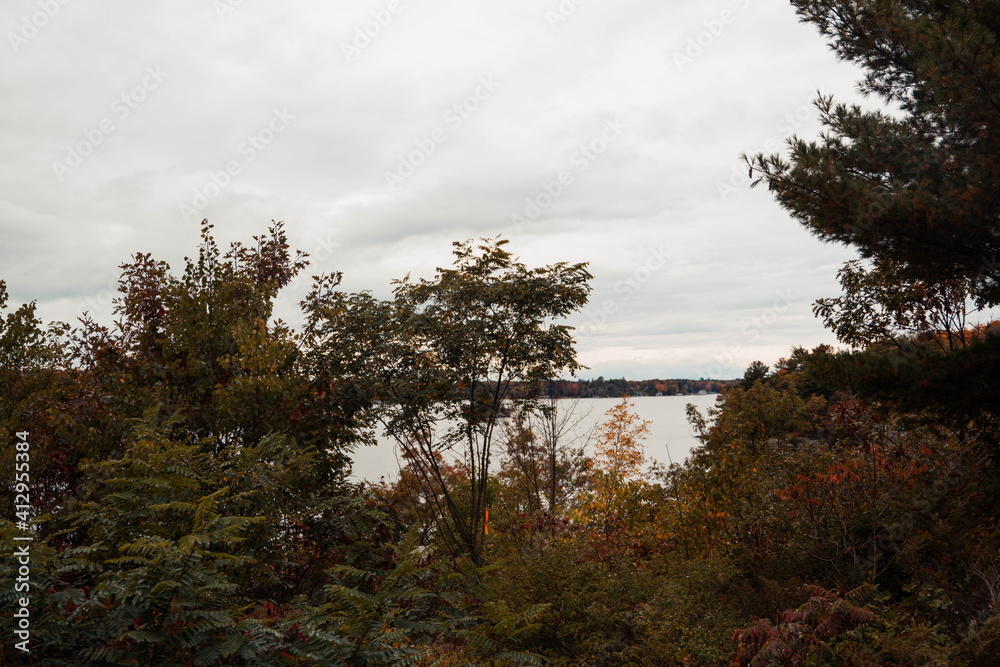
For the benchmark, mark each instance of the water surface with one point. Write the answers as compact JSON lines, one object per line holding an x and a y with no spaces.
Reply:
{"x":669,"y":430}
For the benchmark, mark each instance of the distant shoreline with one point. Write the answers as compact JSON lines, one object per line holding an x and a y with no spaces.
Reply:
{"x":617,"y":388}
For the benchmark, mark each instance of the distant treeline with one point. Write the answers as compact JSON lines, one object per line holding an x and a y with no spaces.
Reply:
{"x":601,"y":388}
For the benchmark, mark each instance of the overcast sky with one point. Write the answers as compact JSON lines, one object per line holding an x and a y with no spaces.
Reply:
{"x":381,"y":131}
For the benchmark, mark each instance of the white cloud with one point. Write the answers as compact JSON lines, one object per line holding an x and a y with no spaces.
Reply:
{"x":656,"y":184}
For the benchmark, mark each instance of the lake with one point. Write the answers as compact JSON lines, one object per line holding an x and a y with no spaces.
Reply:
{"x":669,"y":428}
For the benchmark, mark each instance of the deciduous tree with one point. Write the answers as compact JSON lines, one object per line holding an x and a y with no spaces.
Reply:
{"x":447,"y":354}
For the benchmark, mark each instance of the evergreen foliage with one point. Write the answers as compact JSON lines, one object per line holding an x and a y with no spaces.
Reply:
{"x":190,"y":500}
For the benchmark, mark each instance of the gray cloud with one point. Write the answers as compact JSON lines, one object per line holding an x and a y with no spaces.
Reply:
{"x":670,"y":179}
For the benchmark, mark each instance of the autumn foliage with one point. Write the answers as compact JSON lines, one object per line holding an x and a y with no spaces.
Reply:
{"x":191,"y":499}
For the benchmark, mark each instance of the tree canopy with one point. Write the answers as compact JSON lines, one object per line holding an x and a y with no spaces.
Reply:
{"x":189,"y":500}
{"x":915,"y":182}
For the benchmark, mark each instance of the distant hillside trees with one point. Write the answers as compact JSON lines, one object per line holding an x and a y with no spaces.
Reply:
{"x":617,"y":388}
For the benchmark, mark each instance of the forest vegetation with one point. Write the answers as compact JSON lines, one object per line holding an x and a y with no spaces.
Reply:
{"x":190,"y":499}
{"x":620,"y":387}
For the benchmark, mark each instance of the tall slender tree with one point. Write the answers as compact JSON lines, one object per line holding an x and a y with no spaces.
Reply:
{"x":445,"y":357}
